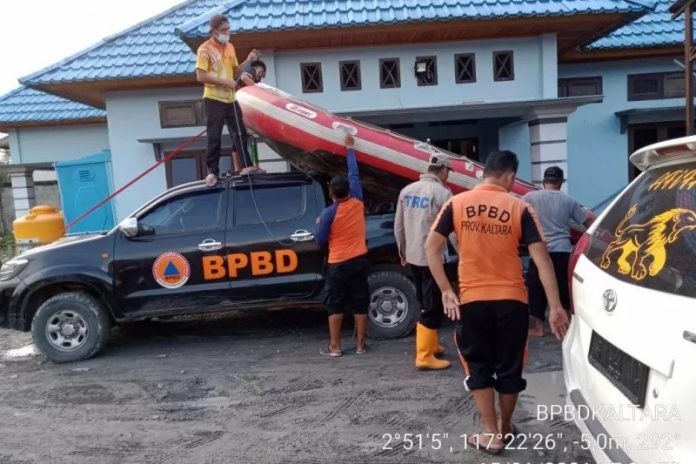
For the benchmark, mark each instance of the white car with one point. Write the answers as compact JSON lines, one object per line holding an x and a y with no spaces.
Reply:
{"x":630,"y":354}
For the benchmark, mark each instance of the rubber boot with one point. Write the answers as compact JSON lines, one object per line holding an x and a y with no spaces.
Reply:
{"x":440,"y":350}
{"x":426,"y":344}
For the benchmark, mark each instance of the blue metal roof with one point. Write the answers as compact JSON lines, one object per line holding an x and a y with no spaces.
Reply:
{"x":147,"y":49}
{"x":282,"y":15}
{"x":24,"y":105}
{"x":655,"y":29}
{"x":151,"y":49}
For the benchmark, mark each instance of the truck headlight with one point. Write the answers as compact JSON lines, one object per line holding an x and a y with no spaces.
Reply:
{"x":13,"y":267}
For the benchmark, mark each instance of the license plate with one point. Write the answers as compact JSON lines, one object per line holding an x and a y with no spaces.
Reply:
{"x":626,"y":373}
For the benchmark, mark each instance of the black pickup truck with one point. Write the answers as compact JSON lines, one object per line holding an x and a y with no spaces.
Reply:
{"x":247,"y":243}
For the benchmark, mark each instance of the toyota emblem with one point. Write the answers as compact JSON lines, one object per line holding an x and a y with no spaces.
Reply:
{"x":609,"y":300}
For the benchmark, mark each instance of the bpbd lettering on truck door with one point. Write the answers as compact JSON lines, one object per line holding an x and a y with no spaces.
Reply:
{"x":258,"y":263}
{"x":172,"y":270}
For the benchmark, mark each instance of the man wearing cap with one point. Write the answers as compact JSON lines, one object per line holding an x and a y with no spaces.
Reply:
{"x":555,"y":210}
{"x":341,"y":226}
{"x":418,"y":206}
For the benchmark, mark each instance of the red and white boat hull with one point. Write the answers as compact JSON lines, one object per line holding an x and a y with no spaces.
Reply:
{"x":311,"y":138}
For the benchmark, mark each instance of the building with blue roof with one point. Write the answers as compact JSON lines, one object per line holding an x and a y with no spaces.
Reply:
{"x":25,"y":107}
{"x":654,"y":30}
{"x":576,"y":83}
{"x":278,"y":15}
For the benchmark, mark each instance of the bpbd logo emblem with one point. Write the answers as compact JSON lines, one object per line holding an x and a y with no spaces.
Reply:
{"x":171,"y":270}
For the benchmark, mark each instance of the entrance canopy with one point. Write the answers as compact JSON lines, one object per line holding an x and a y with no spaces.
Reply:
{"x":517,"y":109}
{"x":547,"y":120}
{"x":650,"y":115}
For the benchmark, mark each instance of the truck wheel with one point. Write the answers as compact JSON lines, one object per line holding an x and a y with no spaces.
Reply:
{"x":70,"y":327}
{"x":393,"y":310}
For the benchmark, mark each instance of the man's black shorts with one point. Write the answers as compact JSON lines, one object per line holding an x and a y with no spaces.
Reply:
{"x":492,"y":341}
{"x":346,"y":287}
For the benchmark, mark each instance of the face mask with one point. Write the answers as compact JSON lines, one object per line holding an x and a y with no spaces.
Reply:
{"x":223,"y":38}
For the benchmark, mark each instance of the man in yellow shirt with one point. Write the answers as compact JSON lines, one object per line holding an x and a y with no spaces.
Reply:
{"x":217,"y":68}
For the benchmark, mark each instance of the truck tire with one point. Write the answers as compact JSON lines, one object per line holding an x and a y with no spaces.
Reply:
{"x":393,"y":310}
{"x":71,"y":327}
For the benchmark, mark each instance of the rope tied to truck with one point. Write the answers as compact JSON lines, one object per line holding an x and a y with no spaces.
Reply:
{"x":171,"y":155}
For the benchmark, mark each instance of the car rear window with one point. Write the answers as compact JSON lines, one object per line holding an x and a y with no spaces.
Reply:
{"x":649,"y":236}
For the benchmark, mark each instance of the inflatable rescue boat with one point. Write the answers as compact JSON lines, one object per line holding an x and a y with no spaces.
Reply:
{"x":311,"y":139}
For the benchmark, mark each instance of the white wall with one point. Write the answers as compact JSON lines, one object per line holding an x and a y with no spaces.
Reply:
{"x":515,"y":137}
{"x":597,"y":150}
{"x":532,"y":60}
{"x":133,"y":116}
{"x":58,"y":143}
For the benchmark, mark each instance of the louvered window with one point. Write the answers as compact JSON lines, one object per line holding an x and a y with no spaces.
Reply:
{"x":85,"y":175}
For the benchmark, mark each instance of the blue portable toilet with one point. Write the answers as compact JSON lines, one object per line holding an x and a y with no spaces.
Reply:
{"x":83,"y":183}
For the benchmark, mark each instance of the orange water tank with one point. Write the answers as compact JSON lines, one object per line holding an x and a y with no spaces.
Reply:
{"x":43,"y":224}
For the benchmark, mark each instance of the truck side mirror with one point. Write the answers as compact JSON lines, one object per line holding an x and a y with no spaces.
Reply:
{"x":131,"y":228}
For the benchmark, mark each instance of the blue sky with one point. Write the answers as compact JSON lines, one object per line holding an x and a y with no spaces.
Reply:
{"x":37,"y":33}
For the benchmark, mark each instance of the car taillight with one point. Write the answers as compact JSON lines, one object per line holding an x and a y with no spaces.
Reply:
{"x":580,"y":248}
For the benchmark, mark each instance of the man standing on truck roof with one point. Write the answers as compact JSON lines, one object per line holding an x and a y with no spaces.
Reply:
{"x":556,"y":210}
{"x":342,"y":226}
{"x":490,"y":224}
{"x":217,"y":67}
{"x":418,"y":206}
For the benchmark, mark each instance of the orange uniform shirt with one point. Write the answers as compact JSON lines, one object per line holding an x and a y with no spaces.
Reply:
{"x":490,"y":224}
{"x":347,"y":236}
{"x":342,"y":225}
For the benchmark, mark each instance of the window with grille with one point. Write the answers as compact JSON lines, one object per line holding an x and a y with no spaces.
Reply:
{"x":465,"y":68}
{"x":389,"y":75}
{"x":190,"y":165}
{"x":655,"y":86}
{"x":580,"y":86}
{"x":182,"y":113}
{"x":350,"y":75}
{"x":426,"y":70}
{"x":503,"y":66}
{"x":311,"y":77}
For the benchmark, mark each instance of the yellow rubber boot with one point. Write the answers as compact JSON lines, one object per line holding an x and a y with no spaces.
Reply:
{"x":426,"y":344}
